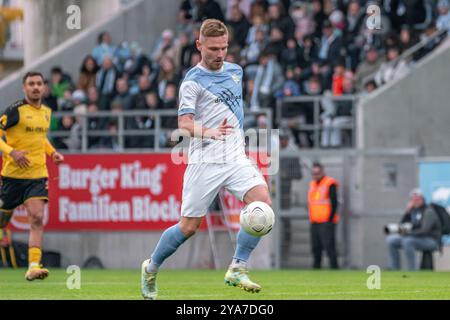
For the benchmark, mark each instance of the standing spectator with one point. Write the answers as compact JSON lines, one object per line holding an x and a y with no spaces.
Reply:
{"x":338,"y":79}
{"x":165,"y":46}
{"x":60,"y":82}
{"x":105,"y":82}
{"x":308,"y":50}
{"x":137,"y":63}
{"x":123,"y":95}
{"x":48,"y":98}
{"x":167,"y":73}
{"x":290,"y":87}
{"x":209,"y":9}
{"x":276,"y":42}
{"x":425,"y":233}
{"x":330,"y":44}
{"x":183,"y":52}
{"x":252,"y":51}
{"x":322,"y":207}
{"x":104,"y":48}
{"x":291,"y":55}
{"x":239,"y":24}
{"x":269,"y":78}
{"x":443,"y":20}
{"x":279,"y":19}
{"x":406,"y":39}
{"x":88,"y":73}
{"x":392,"y":68}
{"x":319,"y":17}
{"x":368,"y":67}
{"x":258,"y":24}
{"x":139,"y":101}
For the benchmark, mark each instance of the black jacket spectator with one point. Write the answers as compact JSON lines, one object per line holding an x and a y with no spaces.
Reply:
{"x":209,"y":9}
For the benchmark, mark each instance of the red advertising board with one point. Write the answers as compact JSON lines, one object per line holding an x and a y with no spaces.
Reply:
{"x":120,"y":192}
{"x":111,"y":192}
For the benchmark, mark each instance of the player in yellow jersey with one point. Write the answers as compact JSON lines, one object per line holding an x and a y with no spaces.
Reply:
{"x":24,"y":144}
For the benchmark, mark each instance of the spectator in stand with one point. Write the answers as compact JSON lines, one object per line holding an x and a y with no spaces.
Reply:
{"x":406,"y":39}
{"x":239,"y":24}
{"x":368,"y":67}
{"x":392,"y":68}
{"x":290,"y":87}
{"x":209,"y":9}
{"x":308,"y":50}
{"x":66,"y":102}
{"x":48,"y":98}
{"x":337,"y":20}
{"x":183,"y":52}
{"x":252,"y":51}
{"x":280,"y":20}
{"x":185,"y":22}
{"x":300,"y":14}
{"x":258,"y":24}
{"x":243,"y":5}
{"x":291,"y":55}
{"x":88,"y":73}
{"x":92,"y":96}
{"x":145,"y":86}
{"x":354,"y":23}
{"x":66,"y":125}
{"x":443,"y":19}
{"x":319,"y":17}
{"x":169,"y":100}
{"x":276,"y":42}
{"x":104,"y":48}
{"x":137,"y":62}
{"x":164,"y":47}
{"x":123,"y":94}
{"x":60,"y":82}
{"x":330,"y":44}
{"x":430,"y":42}
{"x":370,"y":86}
{"x":105,"y":83}
{"x":167,"y":73}
{"x":338,"y":79}
{"x":269,"y":78}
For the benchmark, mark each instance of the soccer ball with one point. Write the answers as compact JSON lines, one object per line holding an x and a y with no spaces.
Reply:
{"x":257,"y":218}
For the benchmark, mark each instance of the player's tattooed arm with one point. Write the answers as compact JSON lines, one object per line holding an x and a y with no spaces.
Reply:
{"x":193,"y":129}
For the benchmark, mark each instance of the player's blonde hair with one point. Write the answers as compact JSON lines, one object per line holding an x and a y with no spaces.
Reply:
{"x":213,"y":28}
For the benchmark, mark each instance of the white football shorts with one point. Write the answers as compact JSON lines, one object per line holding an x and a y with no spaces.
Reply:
{"x":203,"y":181}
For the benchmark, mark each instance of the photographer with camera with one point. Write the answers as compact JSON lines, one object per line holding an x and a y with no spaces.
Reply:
{"x":419,"y":230}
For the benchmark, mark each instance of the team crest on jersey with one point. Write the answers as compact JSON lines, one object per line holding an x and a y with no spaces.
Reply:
{"x":236,"y":78}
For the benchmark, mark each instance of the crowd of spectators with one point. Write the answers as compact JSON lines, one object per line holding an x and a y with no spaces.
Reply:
{"x":287,"y":48}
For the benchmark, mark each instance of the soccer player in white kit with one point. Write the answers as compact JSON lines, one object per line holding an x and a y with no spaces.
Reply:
{"x":211,"y":113}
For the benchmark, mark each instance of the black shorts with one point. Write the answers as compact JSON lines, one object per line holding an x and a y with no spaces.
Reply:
{"x":15,"y":192}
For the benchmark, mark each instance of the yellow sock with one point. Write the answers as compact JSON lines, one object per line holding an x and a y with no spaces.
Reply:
{"x":34,"y":257}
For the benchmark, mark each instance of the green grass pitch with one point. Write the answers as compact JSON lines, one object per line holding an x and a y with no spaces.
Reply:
{"x":207,"y":284}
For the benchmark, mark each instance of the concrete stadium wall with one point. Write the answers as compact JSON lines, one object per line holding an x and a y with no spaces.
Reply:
{"x":118,"y":250}
{"x":412,"y":111}
{"x":142,"y":22}
{"x":45,"y":22}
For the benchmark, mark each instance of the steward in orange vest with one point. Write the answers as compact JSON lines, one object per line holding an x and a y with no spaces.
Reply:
{"x":319,"y":203}
{"x":322,"y":207}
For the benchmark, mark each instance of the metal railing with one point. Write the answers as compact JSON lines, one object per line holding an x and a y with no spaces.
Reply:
{"x":121,"y":131}
{"x":317,"y":115}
